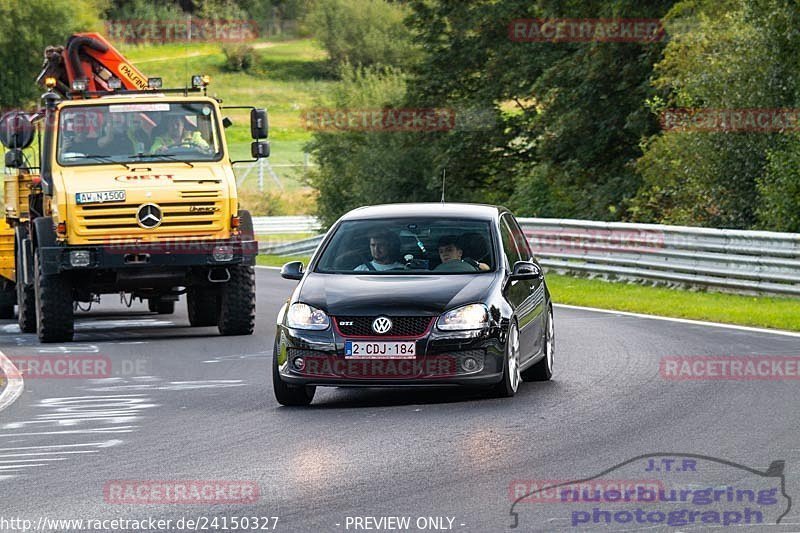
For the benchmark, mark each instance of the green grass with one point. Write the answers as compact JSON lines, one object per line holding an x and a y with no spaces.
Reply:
{"x":765,"y":312}
{"x":287,"y":78}
{"x":279,"y":260}
{"x":762,"y":311}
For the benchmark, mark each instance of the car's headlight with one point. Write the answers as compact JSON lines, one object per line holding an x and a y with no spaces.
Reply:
{"x":473,"y":316}
{"x":302,"y":316}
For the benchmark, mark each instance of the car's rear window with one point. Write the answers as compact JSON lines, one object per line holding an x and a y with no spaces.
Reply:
{"x":428,"y":245}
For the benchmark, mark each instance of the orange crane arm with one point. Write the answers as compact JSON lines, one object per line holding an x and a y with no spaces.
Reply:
{"x":91,"y":57}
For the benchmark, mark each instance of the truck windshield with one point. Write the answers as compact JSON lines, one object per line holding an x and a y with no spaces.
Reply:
{"x":136,"y":132}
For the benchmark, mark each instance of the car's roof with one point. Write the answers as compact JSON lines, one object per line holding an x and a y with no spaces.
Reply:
{"x":476,"y":211}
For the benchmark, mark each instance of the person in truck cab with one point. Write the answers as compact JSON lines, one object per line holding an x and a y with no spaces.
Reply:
{"x":177,"y":133}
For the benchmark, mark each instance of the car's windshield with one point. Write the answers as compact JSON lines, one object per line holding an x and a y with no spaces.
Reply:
{"x":127,"y":133}
{"x":428,"y":245}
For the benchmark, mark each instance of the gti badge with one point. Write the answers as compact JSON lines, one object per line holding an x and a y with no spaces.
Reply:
{"x":149,"y":216}
{"x":381,"y":325}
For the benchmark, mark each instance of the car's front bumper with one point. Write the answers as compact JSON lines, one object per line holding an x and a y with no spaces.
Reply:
{"x":441,"y":359}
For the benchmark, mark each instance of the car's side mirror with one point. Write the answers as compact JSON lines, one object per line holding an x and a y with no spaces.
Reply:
{"x":525,"y":270}
{"x":259,"y":125}
{"x":259,"y":149}
{"x":226,"y":122}
{"x":293,"y":270}
{"x":14,"y":158}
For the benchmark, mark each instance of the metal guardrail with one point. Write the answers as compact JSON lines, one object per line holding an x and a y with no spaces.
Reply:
{"x":737,"y":260}
{"x":272,"y":225}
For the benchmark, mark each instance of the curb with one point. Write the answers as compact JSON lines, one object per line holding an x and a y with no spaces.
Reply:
{"x":12,"y":379}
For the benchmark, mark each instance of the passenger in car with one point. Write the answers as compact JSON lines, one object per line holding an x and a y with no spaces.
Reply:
{"x":451,"y":249}
{"x":384,"y":246}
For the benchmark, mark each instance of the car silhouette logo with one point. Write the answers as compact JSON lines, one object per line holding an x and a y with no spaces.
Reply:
{"x":149,"y":216}
{"x":381,"y":325}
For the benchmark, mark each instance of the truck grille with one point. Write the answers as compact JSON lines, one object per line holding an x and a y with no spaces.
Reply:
{"x":192,"y":215}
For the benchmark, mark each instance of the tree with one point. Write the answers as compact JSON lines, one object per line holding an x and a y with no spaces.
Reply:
{"x":26,"y":28}
{"x":730,"y":55}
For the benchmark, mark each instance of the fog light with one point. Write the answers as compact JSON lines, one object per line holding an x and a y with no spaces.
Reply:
{"x":114,"y":83}
{"x":469,"y":364}
{"x":299,"y":363}
{"x":154,"y":83}
{"x":223,"y":253}
{"x":80,"y":258}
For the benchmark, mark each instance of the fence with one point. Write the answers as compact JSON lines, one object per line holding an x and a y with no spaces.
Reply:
{"x":738,"y":260}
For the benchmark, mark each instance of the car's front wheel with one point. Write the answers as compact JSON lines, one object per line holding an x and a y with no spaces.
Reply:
{"x":286,"y":394}
{"x":543,"y":370}
{"x":511,"y":375}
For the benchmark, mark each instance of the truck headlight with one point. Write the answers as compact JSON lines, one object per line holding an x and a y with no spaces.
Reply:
{"x":80,"y":258}
{"x":302,"y":316}
{"x":223,"y":253}
{"x":473,"y":316}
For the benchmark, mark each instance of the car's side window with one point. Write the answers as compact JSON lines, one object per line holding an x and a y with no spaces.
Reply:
{"x":509,"y":247}
{"x":519,"y":238}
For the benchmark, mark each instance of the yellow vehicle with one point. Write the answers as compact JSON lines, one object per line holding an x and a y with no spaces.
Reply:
{"x":134,"y":193}
{"x":8,"y":295}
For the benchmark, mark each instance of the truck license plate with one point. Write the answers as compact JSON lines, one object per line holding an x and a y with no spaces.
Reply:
{"x":99,"y":197}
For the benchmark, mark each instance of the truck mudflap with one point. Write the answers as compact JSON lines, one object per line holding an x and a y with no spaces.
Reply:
{"x":217,"y":253}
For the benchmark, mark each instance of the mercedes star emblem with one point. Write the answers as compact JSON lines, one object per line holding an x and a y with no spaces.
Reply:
{"x":149,"y":216}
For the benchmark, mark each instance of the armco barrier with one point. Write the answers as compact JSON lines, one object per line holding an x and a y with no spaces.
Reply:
{"x":738,"y":260}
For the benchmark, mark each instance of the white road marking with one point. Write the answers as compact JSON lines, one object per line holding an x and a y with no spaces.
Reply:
{"x":14,"y":382}
{"x":103,"y":444}
{"x":683,"y":321}
{"x":268,"y":267}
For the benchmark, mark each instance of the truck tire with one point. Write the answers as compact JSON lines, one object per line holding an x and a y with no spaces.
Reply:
{"x":26,"y":299}
{"x":7,"y":297}
{"x":54,"y":319}
{"x":202,"y":303}
{"x":237,"y":309}
{"x":162,"y":307}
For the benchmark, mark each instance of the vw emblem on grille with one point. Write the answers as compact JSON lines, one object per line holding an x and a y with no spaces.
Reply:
{"x":381,"y":325}
{"x":149,"y":216}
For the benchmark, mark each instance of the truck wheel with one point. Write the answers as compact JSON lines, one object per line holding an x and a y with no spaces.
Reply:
{"x":54,"y":319}
{"x":26,"y":300}
{"x":202,"y":303}
{"x":237,"y":309}
{"x":162,"y":307}
{"x":7,"y":297}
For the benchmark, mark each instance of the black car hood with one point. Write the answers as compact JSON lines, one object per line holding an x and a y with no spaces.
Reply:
{"x":349,"y":294}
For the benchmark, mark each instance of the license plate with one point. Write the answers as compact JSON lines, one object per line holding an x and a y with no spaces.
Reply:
{"x":99,"y":197}
{"x":380,"y":350}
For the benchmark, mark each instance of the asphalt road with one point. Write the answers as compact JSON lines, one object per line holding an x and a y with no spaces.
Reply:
{"x":182,"y":403}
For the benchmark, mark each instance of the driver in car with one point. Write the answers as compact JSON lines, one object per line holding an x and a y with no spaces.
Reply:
{"x":384,"y":247}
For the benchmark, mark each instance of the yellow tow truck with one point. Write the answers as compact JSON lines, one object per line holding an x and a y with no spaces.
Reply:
{"x":129,"y":188}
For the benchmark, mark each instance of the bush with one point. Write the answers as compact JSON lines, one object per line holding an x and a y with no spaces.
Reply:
{"x":239,"y":57}
{"x":278,"y":203}
{"x":363,"y":32}
{"x":361,"y":167}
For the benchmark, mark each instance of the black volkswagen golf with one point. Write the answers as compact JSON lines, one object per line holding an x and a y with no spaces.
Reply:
{"x":416,"y":294}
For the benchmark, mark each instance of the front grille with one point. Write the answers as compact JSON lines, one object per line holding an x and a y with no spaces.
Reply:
{"x":402,"y":326}
{"x":98,"y":222}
